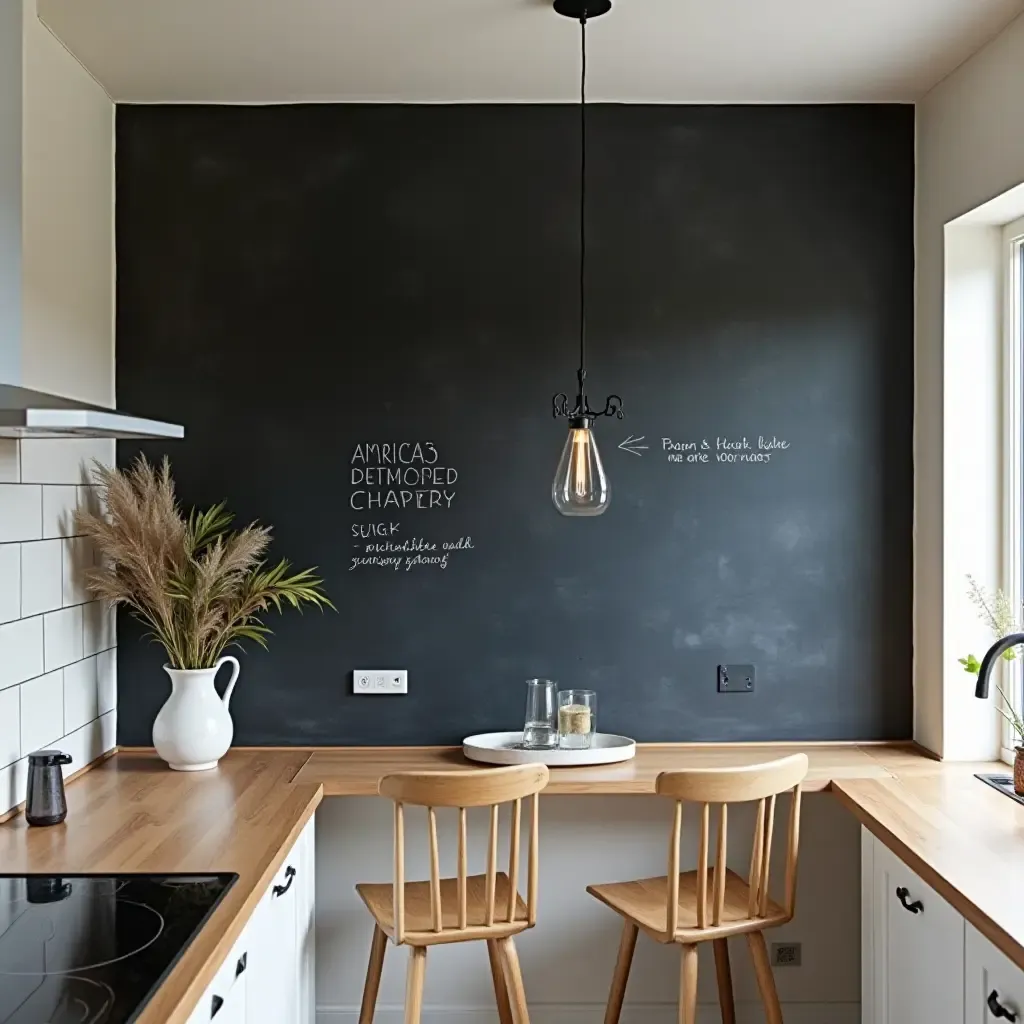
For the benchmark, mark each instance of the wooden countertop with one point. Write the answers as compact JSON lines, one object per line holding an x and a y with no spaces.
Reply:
{"x":962,"y":837}
{"x":131,"y":813}
{"x":356,"y":771}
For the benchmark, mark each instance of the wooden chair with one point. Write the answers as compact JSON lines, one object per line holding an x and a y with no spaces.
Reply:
{"x":464,"y":908}
{"x":710,"y":904}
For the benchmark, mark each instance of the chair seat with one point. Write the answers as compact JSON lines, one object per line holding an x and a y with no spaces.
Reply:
{"x":419,"y":928}
{"x":645,"y":902}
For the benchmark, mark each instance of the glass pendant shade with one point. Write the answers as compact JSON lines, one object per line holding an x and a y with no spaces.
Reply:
{"x":580,"y":487}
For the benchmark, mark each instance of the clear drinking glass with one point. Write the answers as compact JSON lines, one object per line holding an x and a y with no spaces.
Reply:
{"x":540,"y":730}
{"x":577,"y":719}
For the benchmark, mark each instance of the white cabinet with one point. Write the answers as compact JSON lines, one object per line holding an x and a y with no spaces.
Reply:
{"x":994,"y":988}
{"x":268,"y":978}
{"x":224,"y":999}
{"x":914,"y":952}
{"x":274,"y":978}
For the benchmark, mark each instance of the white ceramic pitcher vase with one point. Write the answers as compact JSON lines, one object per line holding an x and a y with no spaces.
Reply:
{"x":193,"y":729}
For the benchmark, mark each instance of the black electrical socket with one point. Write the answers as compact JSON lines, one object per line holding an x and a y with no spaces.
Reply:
{"x":735,"y":678}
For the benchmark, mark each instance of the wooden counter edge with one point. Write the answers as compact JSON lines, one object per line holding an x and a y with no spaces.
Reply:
{"x":180,"y":992}
{"x":999,"y":937}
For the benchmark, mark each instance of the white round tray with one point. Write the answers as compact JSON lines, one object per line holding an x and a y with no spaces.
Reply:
{"x":504,"y":748}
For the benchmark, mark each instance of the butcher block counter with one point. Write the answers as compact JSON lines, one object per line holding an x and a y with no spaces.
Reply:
{"x":130,"y":813}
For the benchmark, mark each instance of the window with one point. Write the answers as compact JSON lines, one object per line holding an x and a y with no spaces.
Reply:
{"x":1013,"y":450}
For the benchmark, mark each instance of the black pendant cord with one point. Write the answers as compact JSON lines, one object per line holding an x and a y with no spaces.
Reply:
{"x":560,"y":402}
{"x":583,"y":200}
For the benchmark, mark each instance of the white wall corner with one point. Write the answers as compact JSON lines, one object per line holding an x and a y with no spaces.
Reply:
{"x":965,"y":158}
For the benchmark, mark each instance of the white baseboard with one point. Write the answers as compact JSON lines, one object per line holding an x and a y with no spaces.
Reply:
{"x":575,"y":1013}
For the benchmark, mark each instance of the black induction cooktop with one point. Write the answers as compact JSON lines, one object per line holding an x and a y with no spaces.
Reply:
{"x":92,"y":949}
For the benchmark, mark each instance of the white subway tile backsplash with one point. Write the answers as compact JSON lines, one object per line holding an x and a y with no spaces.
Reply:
{"x":78,"y":558}
{"x":81,"y":694}
{"x":10,"y":469}
{"x":58,"y":662}
{"x":63,"y":461}
{"x":21,"y":513}
{"x":21,"y":651}
{"x":89,"y":742}
{"x":10,"y":582}
{"x":10,"y":727}
{"x":100,"y":627}
{"x":63,"y":635}
{"x":59,"y":503}
{"x":106,"y":680}
{"x":42,"y":711}
{"x":41,"y":575}
{"x":13,"y":781}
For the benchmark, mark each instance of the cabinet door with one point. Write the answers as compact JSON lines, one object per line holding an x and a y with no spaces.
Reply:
{"x":273,"y":975}
{"x":305,"y":943}
{"x":225,"y":1000}
{"x":918,"y":948}
{"x":994,"y":989}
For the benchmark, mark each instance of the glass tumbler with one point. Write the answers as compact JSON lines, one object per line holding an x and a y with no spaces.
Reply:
{"x":540,"y":729}
{"x":577,"y":719}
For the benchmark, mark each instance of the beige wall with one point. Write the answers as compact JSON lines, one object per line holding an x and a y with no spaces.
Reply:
{"x":67,"y":222}
{"x":970,"y":149}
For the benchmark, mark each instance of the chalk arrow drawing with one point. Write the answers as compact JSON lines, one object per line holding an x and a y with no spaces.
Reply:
{"x":632,"y":444}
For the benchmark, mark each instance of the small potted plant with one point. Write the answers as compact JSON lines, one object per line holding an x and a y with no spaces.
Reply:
{"x":198,"y":586}
{"x":997,"y":611}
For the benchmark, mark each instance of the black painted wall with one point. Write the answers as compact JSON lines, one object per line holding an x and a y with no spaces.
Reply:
{"x":294,"y":282}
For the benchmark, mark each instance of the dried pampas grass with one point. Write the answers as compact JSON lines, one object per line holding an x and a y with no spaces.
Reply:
{"x":199,"y":586}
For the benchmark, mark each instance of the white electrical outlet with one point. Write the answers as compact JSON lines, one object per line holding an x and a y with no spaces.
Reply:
{"x":380,"y":680}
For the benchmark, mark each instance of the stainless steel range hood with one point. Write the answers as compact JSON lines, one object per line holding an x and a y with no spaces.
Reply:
{"x":25,"y":413}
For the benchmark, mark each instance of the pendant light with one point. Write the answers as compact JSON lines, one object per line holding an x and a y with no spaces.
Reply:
{"x":581,"y":487}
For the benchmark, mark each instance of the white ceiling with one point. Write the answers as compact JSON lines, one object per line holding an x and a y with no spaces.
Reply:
{"x":691,"y":51}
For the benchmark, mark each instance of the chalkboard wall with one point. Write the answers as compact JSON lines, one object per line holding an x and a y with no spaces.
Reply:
{"x":315,"y":291}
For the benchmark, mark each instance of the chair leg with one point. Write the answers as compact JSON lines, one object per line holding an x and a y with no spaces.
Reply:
{"x":688,"y":985}
{"x":414,"y":984}
{"x":765,"y":978}
{"x":724,"y":974}
{"x":513,"y":980}
{"x":373,"y":969}
{"x":498,"y":977}
{"x":627,"y":944}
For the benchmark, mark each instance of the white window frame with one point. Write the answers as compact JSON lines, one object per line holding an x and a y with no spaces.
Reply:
{"x":1013,"y":453}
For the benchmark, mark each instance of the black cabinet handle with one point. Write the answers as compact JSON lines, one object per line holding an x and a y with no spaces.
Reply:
{"x":997,"y":1009}
{"x":215,"y":1004}
{"x":243,"y":962}
{"x":901,"y":894}
{"x":289,"y":874}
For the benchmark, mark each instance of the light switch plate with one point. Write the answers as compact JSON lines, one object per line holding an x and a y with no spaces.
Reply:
{"x":374,"y":681}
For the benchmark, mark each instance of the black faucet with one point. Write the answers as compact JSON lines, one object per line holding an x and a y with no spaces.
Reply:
{"x":998,"y":648}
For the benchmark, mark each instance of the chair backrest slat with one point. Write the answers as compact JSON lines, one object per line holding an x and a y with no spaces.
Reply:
{"x":793,"y":855}
{"x":702,"y":867}
{"x":488,"y":788}
{"x":766,"y":858}
{"x":756,"y":855}
{"x":399,"y":882}
{"x":436,"y":917}
{"x":761,"y":783}
{"x":463,"y":867}
{"x":672,"y":922}
{"x":720,"y":862}
{"x":492,"y":864}
{"x":513,"y":860}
